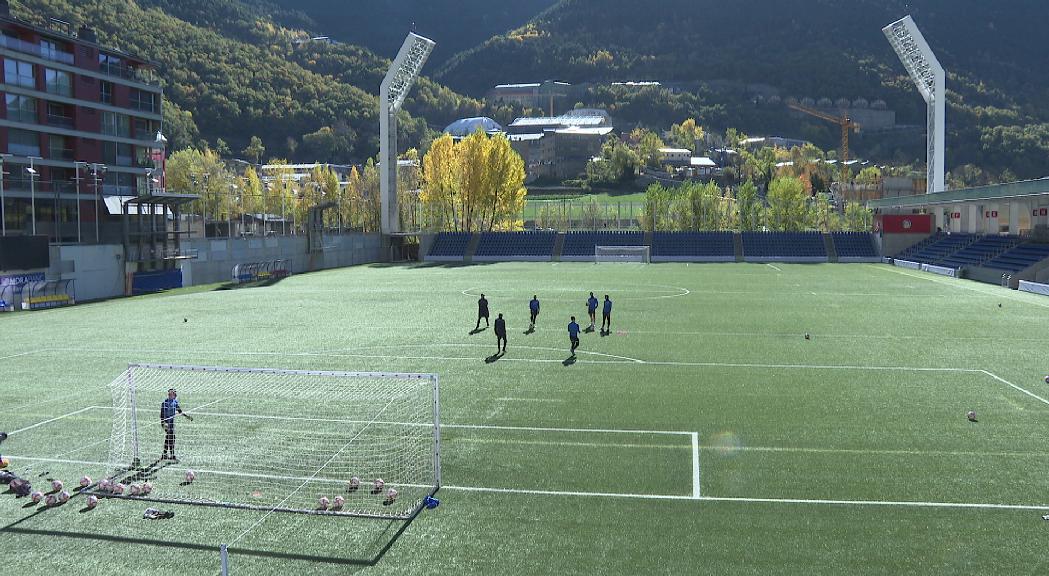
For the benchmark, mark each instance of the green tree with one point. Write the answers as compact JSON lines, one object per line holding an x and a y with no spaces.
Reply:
{"x":687,"y":134}
{"x":788,"y":205}
{"x":255,"y":150}
{"x":748,"y":207}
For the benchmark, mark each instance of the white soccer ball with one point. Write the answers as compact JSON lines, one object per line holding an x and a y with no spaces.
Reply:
{"x":51,"y":500}
{"x":322,"y":504}
{"x":134,"y":490}
{"x":379,"y":484}
{"x":1047,"y":379}
{"x":85,"y":481}
{"x":147,"y":488}
{"x":57,"y":485}
{"x":353,"y":484}
{"x":971,"y":415}
{"x":105,"y":485}
{"x":190,"y":476}
{"x":338,"y":503}
{"x":391,"y":495}
{"x":36,"y":496}
{"x":92,"y":501}
{"x":118,"y":488}
{"x":63,"y":496}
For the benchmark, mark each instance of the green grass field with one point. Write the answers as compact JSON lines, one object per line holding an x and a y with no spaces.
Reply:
{"x":704,"y":435}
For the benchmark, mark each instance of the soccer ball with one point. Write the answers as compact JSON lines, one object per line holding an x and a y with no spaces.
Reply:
{"x":971,"y":415}
{"x":51,"y":501}
{"x":92,"y":501}
{"x":338,"y":503}
{"x":322,"y":504}
{"x":134,"y":490}
{"x":391,"y":495}
{"x":118,"y":488}
{"x":63,"y":497}
{"x":353,"y":484}
{"x":105,"y":485}
{"x":1047,"y":379}
{"x":190,"y":476}
{"x":57,"y":485}
{"x":4,"y":462}
{"x":147,"y":488}
{"x":36,"y":496}
{"x":85,"y":481}
{"x":379,"y":484}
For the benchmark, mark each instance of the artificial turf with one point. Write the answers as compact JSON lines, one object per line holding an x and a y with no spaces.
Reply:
{"x":811,"y":451}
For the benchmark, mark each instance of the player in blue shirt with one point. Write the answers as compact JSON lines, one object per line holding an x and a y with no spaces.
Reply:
{"x":500,"y":335}
{"x":533,"y":306}
{"x":168,"y":409}
{"x":573,"y":335}
{"x":606,"y":316}
{"x":482,"y":312}
{"x":591,"y":307}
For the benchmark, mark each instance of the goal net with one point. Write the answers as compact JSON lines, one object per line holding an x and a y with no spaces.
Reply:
{"x":622,"y":254}
{"x":278,"y":440}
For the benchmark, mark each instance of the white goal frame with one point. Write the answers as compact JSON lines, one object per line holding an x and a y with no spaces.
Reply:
{"x":126,"y":454}
{"x":637,"y":254}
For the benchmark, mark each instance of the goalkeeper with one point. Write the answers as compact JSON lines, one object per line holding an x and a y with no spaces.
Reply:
{"x":168,"y":409}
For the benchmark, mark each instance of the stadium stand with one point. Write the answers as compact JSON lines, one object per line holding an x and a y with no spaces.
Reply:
{"x":521,"y":246}
{"x":855,"y":247}
{"x":580,"y":246}
{"x":1019,"y":258}
{"x":693,"y":247}
{"x":937,"y":248}
{"x":984,"y":249}
{"x":449,"y":246}
{"x":784,"y":247}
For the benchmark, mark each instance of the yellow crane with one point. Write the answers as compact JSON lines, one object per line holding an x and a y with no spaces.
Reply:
{"x":846,"y":124}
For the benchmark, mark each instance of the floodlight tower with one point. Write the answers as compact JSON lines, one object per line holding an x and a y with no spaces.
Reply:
{"x":394,"y":88}
{"x":928,"y":75}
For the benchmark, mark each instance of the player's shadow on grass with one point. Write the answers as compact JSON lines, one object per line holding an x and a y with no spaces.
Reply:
{"x":569,"y":361}
{"x":476,"y":331}
{"x":258,"y":284}
{"x":531,"y":330}
{"x":494,"y":358}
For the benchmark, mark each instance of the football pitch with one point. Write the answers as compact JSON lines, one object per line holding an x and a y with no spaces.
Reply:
{"x":704,"y":434}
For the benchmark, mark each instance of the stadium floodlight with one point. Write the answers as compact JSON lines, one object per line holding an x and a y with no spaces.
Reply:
{"x":278,"y":440}
{"x":395,"y":86}
{"x":928,"y":75}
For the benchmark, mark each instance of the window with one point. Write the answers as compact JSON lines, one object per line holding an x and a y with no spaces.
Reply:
{"x":114,"y":124}
{"x":116,"y":154}
{"x":52,"y":50}
{"x":59,"y":115}
{"x":145,"y":101}
{"x":23,"y":143}
{"x":58,"y":148}
{"x":105,"y":92}
{"x":144,"y":129}
{"x":21,"y":109}
{"x":110,"y":64}
{"x":19,"y":73}
{"x":58,"y":82}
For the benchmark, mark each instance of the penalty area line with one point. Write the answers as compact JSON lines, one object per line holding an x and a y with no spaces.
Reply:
{"x":1015,"y":387}
{"x":55,"y":419}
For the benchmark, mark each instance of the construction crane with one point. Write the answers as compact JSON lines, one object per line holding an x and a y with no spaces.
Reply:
{"x":846,"y":124}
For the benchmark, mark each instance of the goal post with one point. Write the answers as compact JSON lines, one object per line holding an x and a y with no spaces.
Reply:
{"x":278,"y":440}
{"x":622,"y":254}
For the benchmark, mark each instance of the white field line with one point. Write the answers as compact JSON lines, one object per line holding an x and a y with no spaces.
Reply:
{"x":935,"y":337}
{"x":695,"y":465}
{"x":1014,"y":386}
{"x":962,"y":285}
{"x":510,"y":399}
{"x":671,"y":292}
{"x":55,"y":419}
{"x":774,"y":267}
{"x":18,"y":355}
{"x":887,"y":503}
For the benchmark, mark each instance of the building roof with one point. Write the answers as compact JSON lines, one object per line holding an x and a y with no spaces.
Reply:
{"x":598,"y":131}
{"x":512,"y":86}
{"x":467,"y":126}
{"x":675,"y":151}
{"x":558,"y":121}
{"x":703,"y":162}
{"x":1023,"y":189}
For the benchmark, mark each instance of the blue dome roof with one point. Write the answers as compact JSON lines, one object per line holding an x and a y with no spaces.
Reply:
{"x":466,"y":126}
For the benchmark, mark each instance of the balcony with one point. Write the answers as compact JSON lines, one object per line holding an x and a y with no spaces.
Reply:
{"x":35,"y":50}
{"x":61,"y":154}
{"x":143,"y":75}
{"x":61,"y":121}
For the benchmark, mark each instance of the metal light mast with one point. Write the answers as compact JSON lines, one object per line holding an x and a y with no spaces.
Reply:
{"x":394,"y":89}
{"x":929,"y":77}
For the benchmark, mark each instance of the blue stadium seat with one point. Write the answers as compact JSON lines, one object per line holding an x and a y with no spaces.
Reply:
{"x":529,"y":246}
{"x":693,"y":247}
{"x":855,"y":246}
{"x":784,"y":247}
{"x":937,"y":248}
{"x":1019,"y":258}
{"x":450,"y":245}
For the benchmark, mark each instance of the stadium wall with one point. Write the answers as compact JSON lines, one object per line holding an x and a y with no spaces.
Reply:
{"x":892,"y":244}
{"x":217,"y":257}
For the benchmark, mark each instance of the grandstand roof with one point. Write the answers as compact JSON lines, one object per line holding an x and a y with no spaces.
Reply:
{"x":1024,"y":189}
{"x":596,"y":131}
{"x":558,"y":121}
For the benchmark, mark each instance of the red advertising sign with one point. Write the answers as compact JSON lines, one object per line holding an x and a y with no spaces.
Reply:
{"x":956,"y":215}
{"x":1043,"y":212}
{"x":907,"y":223}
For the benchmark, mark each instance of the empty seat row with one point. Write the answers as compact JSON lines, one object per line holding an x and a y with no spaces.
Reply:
{"x":585,"y":243}
{"x":1019,"y":258}
{"x":786,"y":245}
{"x":450,"y":244}
{"x":693,"y":244}
{"x":855,"y":245}
{"x":516,"y":244}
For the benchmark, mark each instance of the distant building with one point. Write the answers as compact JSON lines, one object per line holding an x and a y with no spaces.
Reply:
{"x":538,"y":125}
{"x":702,"y":166}
{"x":545,"y":95}
{"x":560,"y":146}
{"x":676,"y":156}
{"x":774,"y":142}
{"x":462,"y":128}
{"x":300,"y":172}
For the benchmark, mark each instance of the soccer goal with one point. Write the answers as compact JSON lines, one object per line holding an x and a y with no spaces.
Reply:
{"x":622,"y":254}
{"x":334,"y":443}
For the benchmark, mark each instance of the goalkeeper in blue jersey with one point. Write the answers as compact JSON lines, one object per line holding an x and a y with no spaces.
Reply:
{"x":168,"y":410}
{"x":533,"y":307}
{"x":606,"y":316}
{"x":591,"y":307}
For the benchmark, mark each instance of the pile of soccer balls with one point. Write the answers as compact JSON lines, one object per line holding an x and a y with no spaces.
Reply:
{"x":336,"y":504}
